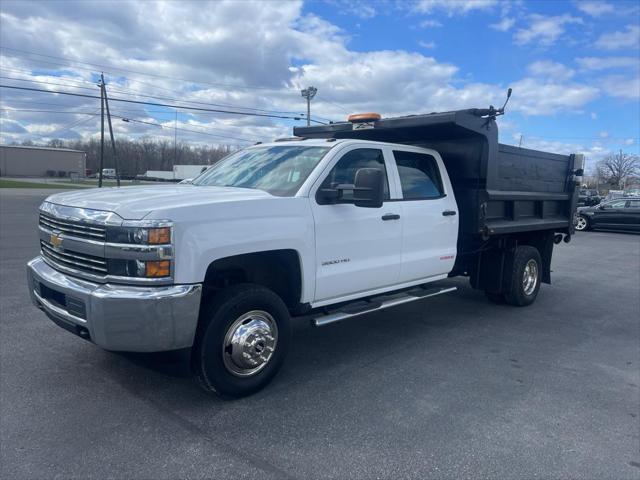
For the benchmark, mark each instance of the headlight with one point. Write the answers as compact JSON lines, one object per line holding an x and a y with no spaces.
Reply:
{"x":140,"y":249}
{"x":139,"y":235}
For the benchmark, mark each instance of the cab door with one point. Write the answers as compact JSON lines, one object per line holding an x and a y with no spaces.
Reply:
{"x":357,"y":248}
{"x":429,"y":216}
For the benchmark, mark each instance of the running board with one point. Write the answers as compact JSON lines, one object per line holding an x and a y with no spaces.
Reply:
{"x":375,"y":304}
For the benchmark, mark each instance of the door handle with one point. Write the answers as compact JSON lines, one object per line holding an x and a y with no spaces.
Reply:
{"x":448,"y":213}
{"x":390,"y":216}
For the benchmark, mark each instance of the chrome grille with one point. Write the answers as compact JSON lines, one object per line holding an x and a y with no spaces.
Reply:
{"x":73,"y":228}
{"x":74,"y":260}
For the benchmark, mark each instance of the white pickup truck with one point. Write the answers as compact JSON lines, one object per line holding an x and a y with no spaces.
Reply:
{"x":343,"y":220}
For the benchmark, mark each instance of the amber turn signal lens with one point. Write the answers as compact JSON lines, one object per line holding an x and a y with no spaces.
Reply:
{"x":158,"y":236}
{"x":161,"y":268}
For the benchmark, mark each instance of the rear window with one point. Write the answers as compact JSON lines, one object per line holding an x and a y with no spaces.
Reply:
{"x":419,"y":175}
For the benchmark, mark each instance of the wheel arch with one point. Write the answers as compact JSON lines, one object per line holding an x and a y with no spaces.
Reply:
{"x":491,"y":270}
{"x":279,"y":270}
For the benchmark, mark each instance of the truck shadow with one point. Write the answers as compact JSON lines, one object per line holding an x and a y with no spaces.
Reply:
{"x":315,"y":352}
{"x":171,"y":364}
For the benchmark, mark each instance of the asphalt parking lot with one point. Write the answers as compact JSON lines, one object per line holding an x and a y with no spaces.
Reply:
{"x":450,"y":387}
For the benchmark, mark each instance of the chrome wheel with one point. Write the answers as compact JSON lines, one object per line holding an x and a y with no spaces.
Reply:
{"x":249,"y":343}
{"x":530,"y":277}
{"x":581,"y":223}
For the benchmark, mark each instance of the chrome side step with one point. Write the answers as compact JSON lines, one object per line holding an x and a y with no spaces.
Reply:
{"x":377,"y":303}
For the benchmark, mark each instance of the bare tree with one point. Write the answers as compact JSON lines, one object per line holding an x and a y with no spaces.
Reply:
{"x":616,"y":169}
{"x":138,"y":156}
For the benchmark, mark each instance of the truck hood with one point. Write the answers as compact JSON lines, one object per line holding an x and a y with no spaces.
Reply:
{"x":134,"y":203}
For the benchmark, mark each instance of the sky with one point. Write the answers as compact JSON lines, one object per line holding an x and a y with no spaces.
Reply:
{"x":574,"y":67}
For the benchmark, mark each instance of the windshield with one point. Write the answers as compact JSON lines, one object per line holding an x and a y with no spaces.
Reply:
{"x":279,"y":170}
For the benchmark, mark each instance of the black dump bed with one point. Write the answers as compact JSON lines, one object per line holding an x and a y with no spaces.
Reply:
{"x":500,"y":189}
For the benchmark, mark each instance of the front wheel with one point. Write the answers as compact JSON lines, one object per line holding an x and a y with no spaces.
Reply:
{"x":242,"y":340}
{"x":525,"y":277}
{"x":582,"y":223}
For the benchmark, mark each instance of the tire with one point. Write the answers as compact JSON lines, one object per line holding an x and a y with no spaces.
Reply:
{"x":495,"y":297}
{"x":582,"y":223}
{"x":524,"y":290}
{"x":261,"y":322}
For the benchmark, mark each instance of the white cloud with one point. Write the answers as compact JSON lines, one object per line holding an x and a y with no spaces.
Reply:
{"x":593,"y":115}
{"x":629,"y":38}
{"x":430,"y":24}
{"x":544,"y":30}
{"x":358,"y":8}
{"x":551,"y":70}
{"x":629,"y":141}
{"x":605,"y":63}
{"x":503,"y":25}
{"x":595,"y":8}
{"x":534,"y":96}
{"x":603,"y":134}
{"x":621,"y":87}
{"x":427,"y":45}
{"x":458,"y":7}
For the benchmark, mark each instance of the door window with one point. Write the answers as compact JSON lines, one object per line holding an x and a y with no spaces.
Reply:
{"x":635,"y":204}
{"x":419,"y":175}
{"x":344,"y":172}
{"x":618,"y":204}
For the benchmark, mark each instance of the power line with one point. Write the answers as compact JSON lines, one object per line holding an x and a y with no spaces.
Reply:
{"x":134,"y":93}
{"x":46,"y":83}
{"x":75,"y":112}
{"x":180,"y":129}
{"x":129,"y":119}
{"x":322,"y":99}
{"x":248,"y":87}
{"x":181,"y":107}
{"x":67,"y":61}
{"x":45,"y":111}
{"x":30,"y":73}
{"x":139,"y":102}
{"x":73,"y":124}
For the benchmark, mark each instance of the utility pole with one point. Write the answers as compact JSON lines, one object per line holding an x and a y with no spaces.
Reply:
{"x":113,"y":142}
{"x":520,"y":142}
{"x":309,"y":93}
{"x":175,"y":139}
{"x":101,"y":136}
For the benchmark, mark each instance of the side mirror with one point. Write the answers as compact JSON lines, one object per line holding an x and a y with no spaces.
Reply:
{"x":368,"y":188}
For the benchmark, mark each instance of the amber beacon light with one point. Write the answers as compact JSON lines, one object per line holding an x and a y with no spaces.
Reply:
{"x":364,"y":117}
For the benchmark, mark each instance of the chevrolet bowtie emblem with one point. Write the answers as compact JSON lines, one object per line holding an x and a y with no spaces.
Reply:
{"x":55,"y":240}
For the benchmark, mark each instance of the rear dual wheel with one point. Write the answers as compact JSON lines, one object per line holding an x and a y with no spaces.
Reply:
{"x":525,"y":277}
{"x":524,"y":281}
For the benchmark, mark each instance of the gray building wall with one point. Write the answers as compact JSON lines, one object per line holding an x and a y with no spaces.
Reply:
{"x":35,"y":161}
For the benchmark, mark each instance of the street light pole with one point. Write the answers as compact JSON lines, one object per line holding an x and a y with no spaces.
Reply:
{"x":309,"y":93}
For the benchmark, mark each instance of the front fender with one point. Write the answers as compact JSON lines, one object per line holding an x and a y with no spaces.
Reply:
{"x":282,"y":223}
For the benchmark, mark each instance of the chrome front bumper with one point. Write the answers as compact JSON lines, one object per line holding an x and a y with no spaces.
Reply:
{"x":117,"y":317}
